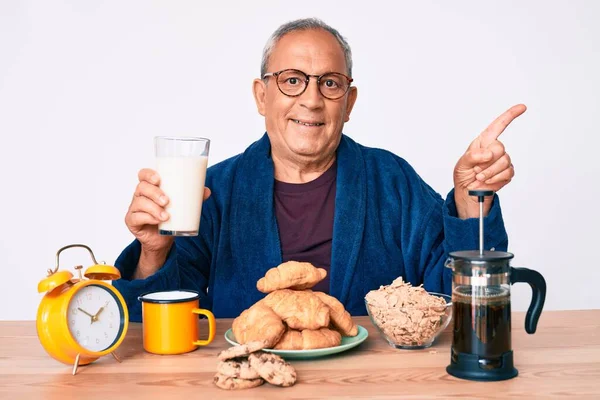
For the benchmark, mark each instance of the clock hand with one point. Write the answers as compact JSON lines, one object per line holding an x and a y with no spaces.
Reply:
{"x":87,"y":313}
{"x":95,"y":317}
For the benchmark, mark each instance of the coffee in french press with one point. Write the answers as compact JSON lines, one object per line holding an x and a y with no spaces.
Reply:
{"x":481,"y":343}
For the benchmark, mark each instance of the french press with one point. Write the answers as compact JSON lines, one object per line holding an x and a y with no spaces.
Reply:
{"x":481,"y":343}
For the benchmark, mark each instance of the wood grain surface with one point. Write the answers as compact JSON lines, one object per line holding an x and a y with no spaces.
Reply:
{"x":562,"y":359}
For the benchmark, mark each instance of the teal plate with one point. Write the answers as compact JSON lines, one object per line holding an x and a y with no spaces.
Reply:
{"x":347,"y":343}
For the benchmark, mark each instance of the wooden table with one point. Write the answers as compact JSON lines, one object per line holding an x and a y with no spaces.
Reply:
{"x":561,"y":359}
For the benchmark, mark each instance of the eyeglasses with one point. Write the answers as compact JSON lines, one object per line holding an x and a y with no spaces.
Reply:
{"x":292,"y":82}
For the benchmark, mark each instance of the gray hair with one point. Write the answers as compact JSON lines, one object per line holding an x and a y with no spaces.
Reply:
{"x":303,"y":25}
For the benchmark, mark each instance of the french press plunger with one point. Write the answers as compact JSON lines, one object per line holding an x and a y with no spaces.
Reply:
{"x":481,"y":344}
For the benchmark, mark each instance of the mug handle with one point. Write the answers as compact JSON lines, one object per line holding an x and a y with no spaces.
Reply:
{"x":211,"y":326}
{"x":538,"y":297}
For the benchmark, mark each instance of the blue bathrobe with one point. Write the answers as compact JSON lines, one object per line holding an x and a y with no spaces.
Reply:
{"x":388,"y":223}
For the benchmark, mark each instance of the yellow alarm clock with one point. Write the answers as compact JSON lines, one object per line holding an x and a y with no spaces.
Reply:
{"x":80,"y":320}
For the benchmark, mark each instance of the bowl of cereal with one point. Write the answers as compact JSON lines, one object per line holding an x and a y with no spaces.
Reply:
{"x":408,"y":317}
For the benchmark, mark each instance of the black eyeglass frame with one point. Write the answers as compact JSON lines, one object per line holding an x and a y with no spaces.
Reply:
{"x":307,"y":81}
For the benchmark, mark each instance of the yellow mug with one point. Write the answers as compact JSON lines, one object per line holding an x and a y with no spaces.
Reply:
{"x":170,"y":324}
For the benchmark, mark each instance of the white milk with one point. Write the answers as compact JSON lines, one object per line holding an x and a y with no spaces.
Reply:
{"x":182,"y":180}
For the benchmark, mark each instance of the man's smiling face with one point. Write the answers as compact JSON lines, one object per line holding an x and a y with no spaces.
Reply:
{"x":307,"y":127}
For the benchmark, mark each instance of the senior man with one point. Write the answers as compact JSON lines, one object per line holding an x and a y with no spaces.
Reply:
{"x":305,"y":191}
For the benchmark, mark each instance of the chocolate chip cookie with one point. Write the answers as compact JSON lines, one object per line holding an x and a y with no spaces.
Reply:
{"x":237,"y":368}
{"x":229,"y":383}
{"x":273,"y":368}
{"x":241,"y":350}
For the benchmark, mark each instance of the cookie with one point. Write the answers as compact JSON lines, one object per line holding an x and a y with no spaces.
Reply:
{"x":237,"y":368}
{"x":273,"y":368}
{"x":241,"y":350}
{"x":229,"y":383}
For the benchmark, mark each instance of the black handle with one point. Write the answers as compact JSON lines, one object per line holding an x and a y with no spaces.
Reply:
{"x":538,"y":287}
{"x":481,"y":194}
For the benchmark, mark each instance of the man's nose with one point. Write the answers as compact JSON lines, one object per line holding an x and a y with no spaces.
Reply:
{"x":312,"y":97}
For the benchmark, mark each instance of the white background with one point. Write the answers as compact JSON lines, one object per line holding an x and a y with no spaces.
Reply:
{"x":86,"y":85}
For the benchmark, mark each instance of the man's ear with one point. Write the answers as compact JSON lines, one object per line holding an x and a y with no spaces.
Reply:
{"x":351,"y":100}
{"x":259,"y":88}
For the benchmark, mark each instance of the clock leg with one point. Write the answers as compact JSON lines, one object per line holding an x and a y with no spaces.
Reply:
{"x":115,"y":356}
{"x":76,"y":364}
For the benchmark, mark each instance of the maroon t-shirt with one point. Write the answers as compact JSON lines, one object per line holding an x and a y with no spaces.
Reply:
{"x":304,"y":214}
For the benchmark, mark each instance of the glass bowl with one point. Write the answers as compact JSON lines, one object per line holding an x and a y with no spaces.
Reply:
{"x":412,"y":327}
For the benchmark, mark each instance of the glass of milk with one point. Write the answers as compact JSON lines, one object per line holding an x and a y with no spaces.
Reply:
{"x":181,"y":163}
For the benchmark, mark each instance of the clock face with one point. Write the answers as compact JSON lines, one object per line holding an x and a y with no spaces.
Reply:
{"x":95,"y":318}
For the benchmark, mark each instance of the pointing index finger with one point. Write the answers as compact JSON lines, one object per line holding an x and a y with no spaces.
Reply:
{"x":496,"y":128}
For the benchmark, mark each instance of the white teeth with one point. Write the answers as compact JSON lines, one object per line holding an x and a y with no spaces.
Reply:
{"x":306,"y":124}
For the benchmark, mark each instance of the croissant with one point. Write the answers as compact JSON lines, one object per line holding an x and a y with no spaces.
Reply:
{"x":291,"y":340}
{"x":298,"y":309}
{"x":258,"y":322}
{"x":340,"y":318}
{"x":321,"y":338}
{"x":291,"y":275}
{"x":309,"y":339}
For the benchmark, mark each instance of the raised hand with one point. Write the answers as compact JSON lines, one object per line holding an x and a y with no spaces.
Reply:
{"x":146,"y":211}
{"x":485,"y":165}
